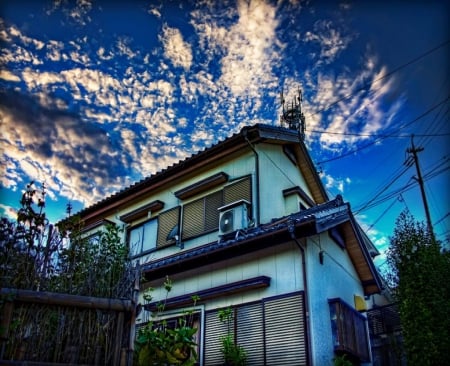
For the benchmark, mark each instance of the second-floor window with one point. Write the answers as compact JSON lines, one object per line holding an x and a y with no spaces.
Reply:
{"x":202,"y":215}
{"x":157,"y":232}
{"x":143,"y":237}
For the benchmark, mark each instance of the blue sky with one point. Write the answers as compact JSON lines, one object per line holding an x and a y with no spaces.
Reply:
{"x":96,"y":95}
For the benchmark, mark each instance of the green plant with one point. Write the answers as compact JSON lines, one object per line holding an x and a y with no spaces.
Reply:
{"x":158,"y":343}
{"x":342,"y":361}
{"x":233,"y":354}
{"x":36,"y":255}
{"x":420,"y":277}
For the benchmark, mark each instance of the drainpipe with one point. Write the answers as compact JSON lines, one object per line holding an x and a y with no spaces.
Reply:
{"x":291,"y":229}
{"x":257,"y":203}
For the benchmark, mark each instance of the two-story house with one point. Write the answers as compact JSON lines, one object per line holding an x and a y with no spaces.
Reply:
{"x":247,"y":224}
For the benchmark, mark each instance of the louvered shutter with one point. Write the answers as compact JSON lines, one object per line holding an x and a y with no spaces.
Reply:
{"x":240,"y":190}
{"x":285,"y":331}
{"x":193,"y":218}
{"x":214,"y":331}
{"x":166,"y":222}
{"x":212,"y":203}
{"x":250,"y":332}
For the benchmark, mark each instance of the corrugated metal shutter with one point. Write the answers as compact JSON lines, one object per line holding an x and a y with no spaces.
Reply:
{"x":212,"y":203}
{"x":193,"y":218}
{"x":250,"y":332}
{"x":240,"y":190}
{"x":285,"y":331}
{"x":214,"y":330}
{"x":166,"y":222}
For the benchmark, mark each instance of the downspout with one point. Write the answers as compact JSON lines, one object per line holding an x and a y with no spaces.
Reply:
{"x":291,"y":229}
{"x":257,"y":205}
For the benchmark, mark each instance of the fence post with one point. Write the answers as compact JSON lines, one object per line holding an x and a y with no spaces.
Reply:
{"x":134,"y":301}
{"x":4,"y":325}
{"x":118,"y":342}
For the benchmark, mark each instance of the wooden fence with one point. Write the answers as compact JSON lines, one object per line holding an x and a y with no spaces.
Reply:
{"x":42,"y":328}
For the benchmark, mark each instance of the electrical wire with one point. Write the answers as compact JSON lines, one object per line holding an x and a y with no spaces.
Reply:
{"x":367,"y":85}
{"x":351,"y":152}
{"x":377,"y":194}
{"x":433,"y":172}
{"x":384,"y":136}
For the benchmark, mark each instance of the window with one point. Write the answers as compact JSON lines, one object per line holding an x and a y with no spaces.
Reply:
{"x":260,"y":328}
{"x":349,"y":330}
{"x":202,"y":216}
{"x":154,"y":233}
{"x":168,"y":222}
{"x":143,"y":237}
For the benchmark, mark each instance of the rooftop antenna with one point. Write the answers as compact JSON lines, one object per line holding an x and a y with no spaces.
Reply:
{"x":292,"y":114}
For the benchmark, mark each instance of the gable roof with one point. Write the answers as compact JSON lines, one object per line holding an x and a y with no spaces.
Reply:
{"x":239,"y":141}
{"x":333,"y":214}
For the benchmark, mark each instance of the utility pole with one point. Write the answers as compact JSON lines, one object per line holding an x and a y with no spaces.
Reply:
{"x":414,"y":150}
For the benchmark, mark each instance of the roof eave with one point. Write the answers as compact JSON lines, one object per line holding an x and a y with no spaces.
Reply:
{"x":254,"y":134}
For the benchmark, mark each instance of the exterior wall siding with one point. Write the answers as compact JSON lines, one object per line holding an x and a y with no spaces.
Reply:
{"x":281,"y":263}
{"x":334,"y":278}
{"x":277,"y":173}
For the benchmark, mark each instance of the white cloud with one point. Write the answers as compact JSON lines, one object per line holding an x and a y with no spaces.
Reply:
{"x":338,"y":103}
{"x":153,"y":10}
{"x":329,"y":39}
{"x":8,"y":76}
{"x":334,"y":183}
{"x":8,"y":211}
{"x":176,"y":48}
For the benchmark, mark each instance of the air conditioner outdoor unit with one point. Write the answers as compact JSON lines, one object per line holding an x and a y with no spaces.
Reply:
{"x":233,"y":217}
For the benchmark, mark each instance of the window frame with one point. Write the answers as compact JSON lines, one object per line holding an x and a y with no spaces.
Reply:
{"x":265,"y":344}
{"x":141,"y":252}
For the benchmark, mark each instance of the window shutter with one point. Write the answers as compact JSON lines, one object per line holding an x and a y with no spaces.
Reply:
{"x":193,"y":218}
{"x":250,"y":332}
{"x":212,"y":203}
{"x":240,"y":190}
{"x":166,"y":222}
{"x":285,"y":331}
{"x":214,"y":331}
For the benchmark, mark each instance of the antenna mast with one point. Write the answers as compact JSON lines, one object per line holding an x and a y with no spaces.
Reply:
{"x":292,"y":114}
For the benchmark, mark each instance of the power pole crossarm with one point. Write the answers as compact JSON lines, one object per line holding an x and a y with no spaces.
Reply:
{"x":414,"y":150}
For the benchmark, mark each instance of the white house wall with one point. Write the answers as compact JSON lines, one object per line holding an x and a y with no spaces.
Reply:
{"x":281,"y":263}
{"x":277,"y":173}
{"x":236,"y":168}
{"x":334,"y":278}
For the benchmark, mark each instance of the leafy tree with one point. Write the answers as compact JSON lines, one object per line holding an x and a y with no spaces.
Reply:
{"x":420,"y":277}
{"x":28,"y":245}
{"x":36,"y":255}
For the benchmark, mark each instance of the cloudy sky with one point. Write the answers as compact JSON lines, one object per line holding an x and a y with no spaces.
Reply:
{"x":96,"y":95}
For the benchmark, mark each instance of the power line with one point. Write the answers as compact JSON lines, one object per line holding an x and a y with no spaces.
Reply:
{"x":351,"y":152}
{"x":367,"y":85}
{"x":379,"y":199}
{"x":383,"y":136}
{"x":442,"y":219}
{"x":377,"y":195}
